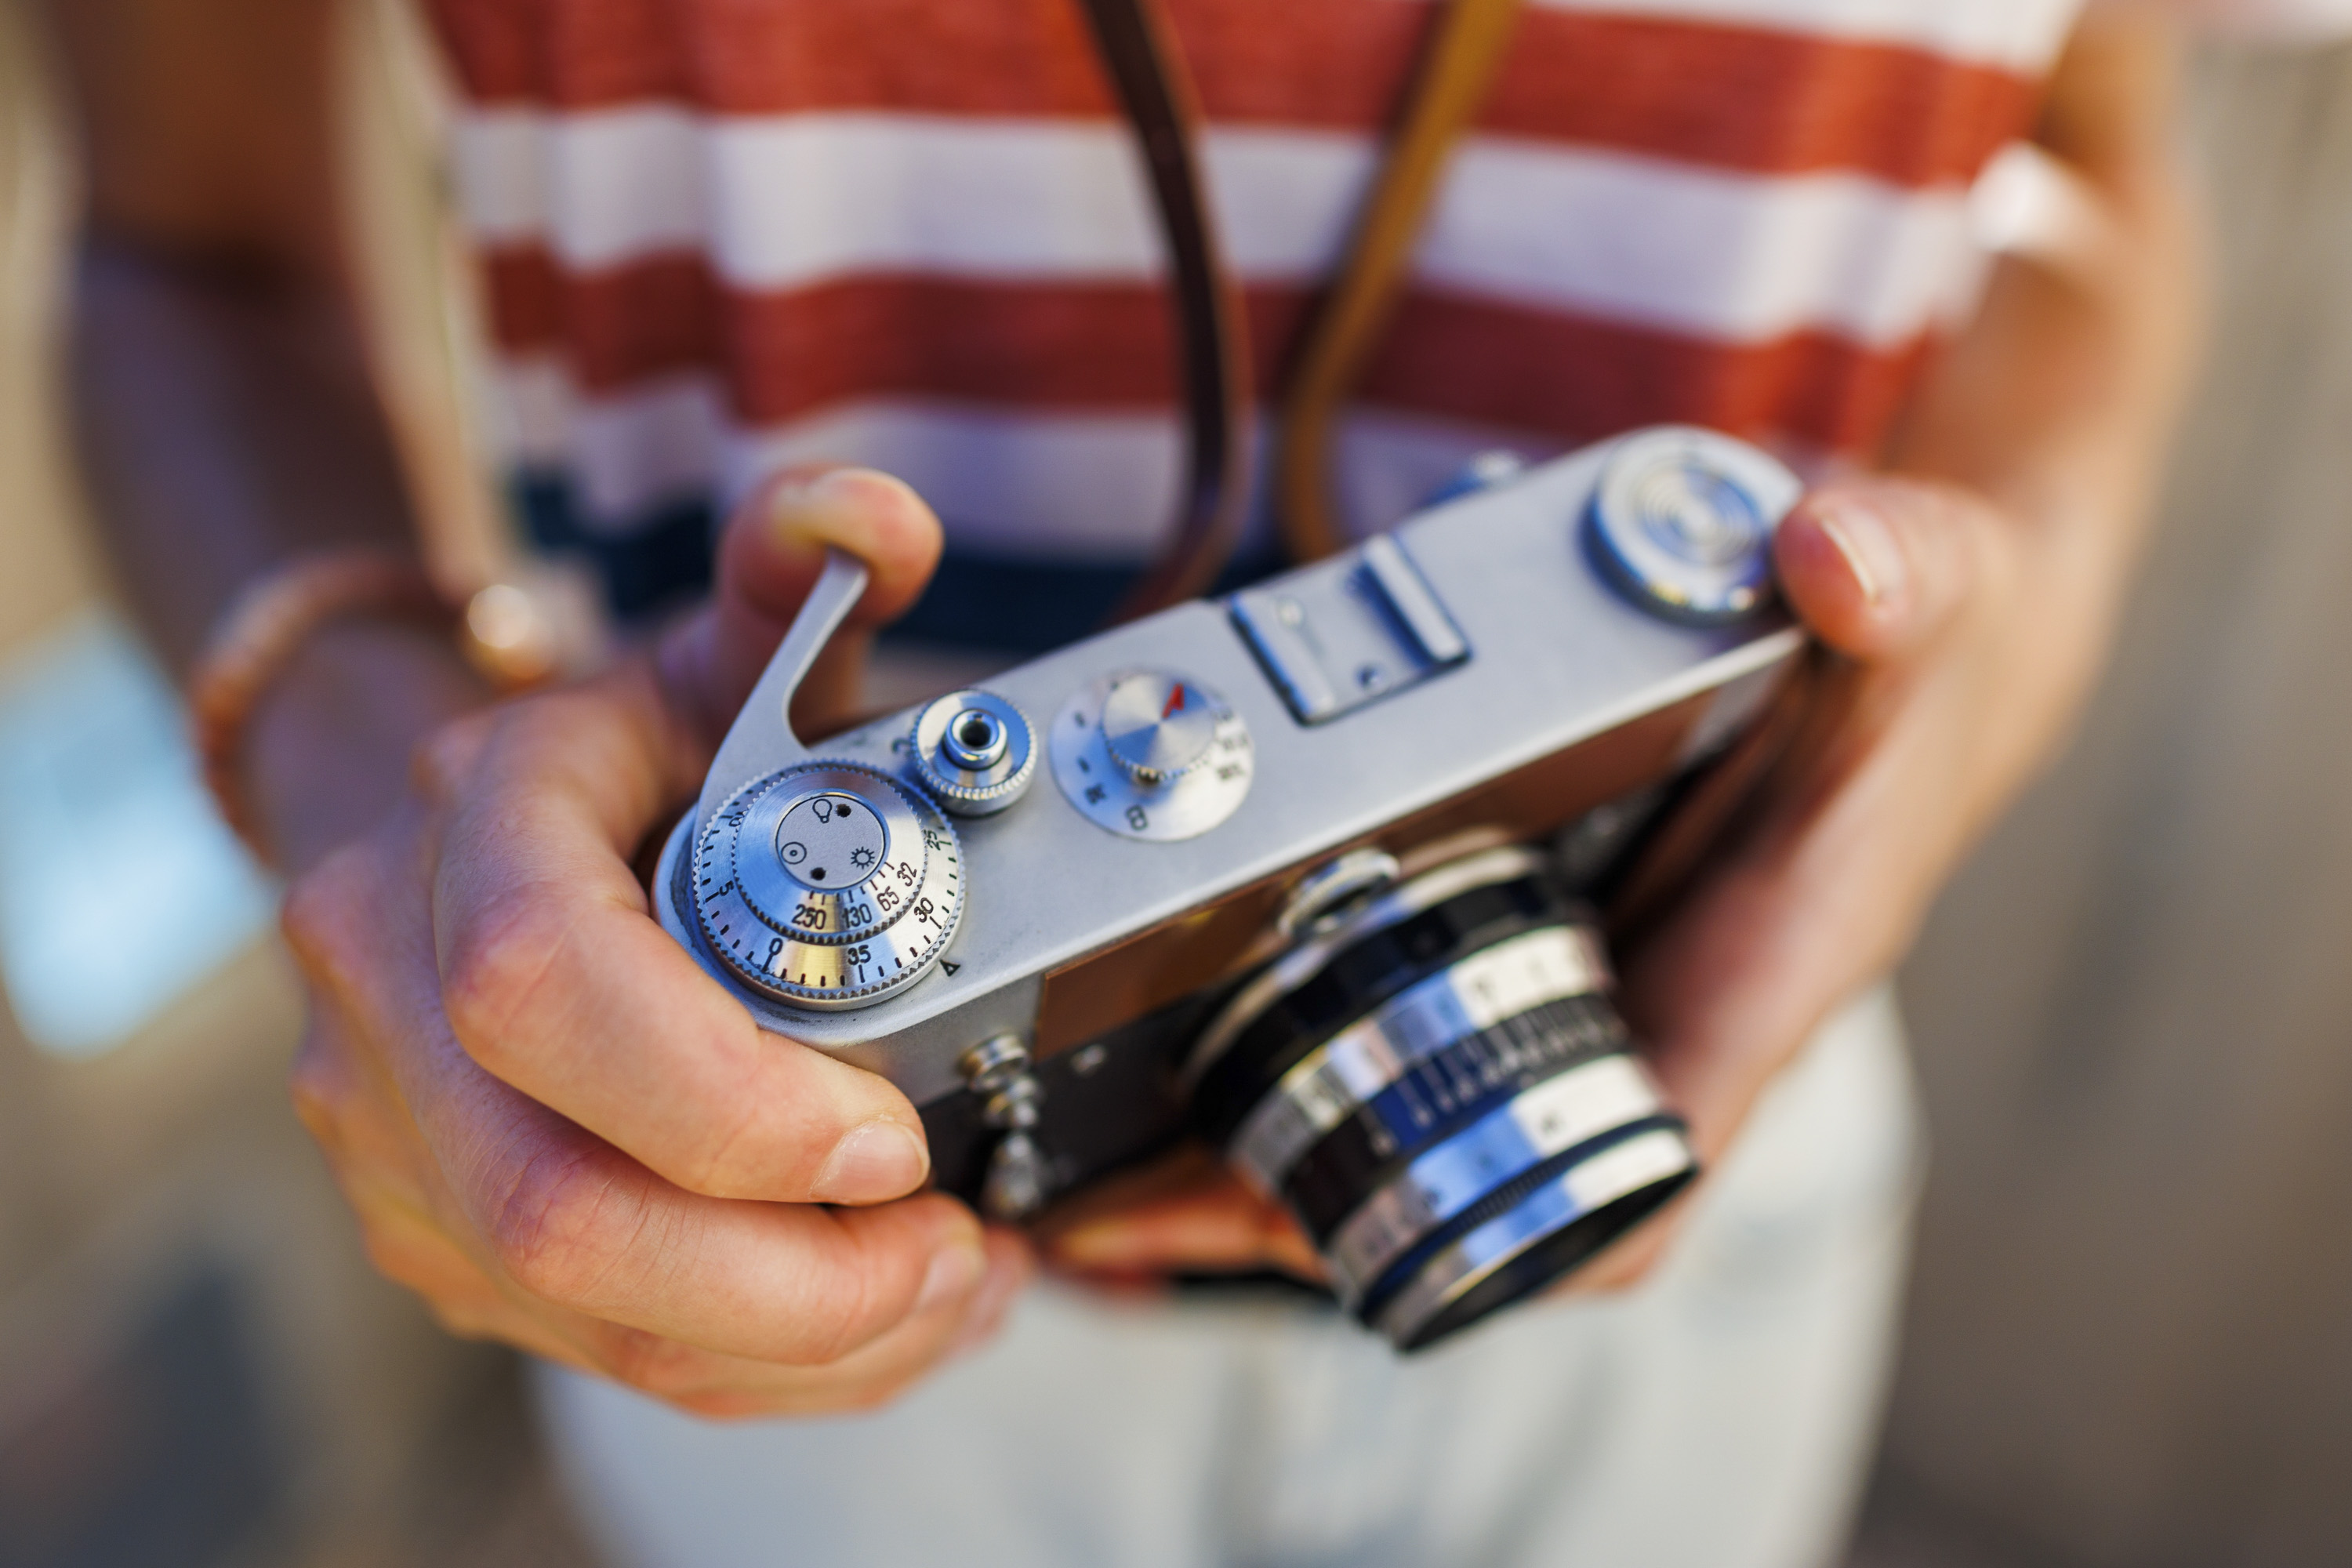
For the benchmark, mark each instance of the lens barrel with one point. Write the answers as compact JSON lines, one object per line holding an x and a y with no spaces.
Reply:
{"x":1439,"y":1091}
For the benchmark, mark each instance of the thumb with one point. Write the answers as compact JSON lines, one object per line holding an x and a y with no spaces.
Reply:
{"x":769,"y":557}
{"x":1875,"y":567}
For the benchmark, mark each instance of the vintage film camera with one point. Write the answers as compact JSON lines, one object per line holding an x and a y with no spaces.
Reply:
{"x":1297,"y":884}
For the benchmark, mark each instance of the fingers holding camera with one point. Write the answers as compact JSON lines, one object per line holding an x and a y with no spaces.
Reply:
{"x":947,"y":1322}
{"x":1189,"y":1213}
{"x":558,"y":983}
{"x":559,"y":1219}
{"x":1875,"y":567}
{"x":554,"y":1215}
{"x":769,"y":557}
{"x":1943,"y":700}
{"x":410,"y":1243}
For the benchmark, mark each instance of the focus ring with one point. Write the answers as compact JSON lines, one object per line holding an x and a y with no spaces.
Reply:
{"x":1336,"y":1079}
{"x":1437,"y":1097}
{"x":1353,"y":982}
{"x":1453,"y":1185}
{"x":1441,"y":1095}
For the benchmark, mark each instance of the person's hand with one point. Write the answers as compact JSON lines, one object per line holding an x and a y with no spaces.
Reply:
{"x":553,"y":1126}
{"x":1962,"y":615}
{"x":1957,"y":642}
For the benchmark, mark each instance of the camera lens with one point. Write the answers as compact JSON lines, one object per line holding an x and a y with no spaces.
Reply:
{"x":1439,"y":1091}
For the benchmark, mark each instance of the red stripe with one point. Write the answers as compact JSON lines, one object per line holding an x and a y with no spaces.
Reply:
{"x":1105,"y":346}
{"x":1734,"y":97}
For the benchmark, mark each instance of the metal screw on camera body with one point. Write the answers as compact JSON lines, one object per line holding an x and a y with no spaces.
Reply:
{"x":1000,"y":1069}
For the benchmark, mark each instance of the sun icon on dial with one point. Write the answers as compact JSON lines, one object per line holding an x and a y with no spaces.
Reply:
{"x":861,"y":857}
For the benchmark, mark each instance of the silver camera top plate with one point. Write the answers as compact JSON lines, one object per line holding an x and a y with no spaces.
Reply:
{"x":1511,"y":646}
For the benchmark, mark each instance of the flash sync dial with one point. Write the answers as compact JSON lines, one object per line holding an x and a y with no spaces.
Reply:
{"x":1157,"y":727}
{"x":1150,"y":755}
{"x":828,"y":885}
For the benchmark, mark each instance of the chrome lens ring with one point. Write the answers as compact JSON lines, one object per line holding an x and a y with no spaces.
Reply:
{"x":1552,"y":1124}
{"x":1352,"y":1069}
{"x":1470,"y":1080}
{"x":1422,"y":1086}
{"x":1375,"y":961}
{"x":1304,"y":962}
{"x":1559,"y":1224}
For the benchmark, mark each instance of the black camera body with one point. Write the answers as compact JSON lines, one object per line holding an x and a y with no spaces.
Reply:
{"x":1310,"y":881}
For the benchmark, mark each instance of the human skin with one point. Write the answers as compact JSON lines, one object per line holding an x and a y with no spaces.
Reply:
{"x":560,"y":1133}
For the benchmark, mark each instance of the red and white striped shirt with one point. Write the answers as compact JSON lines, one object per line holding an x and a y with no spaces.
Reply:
{"x":720,"y":235}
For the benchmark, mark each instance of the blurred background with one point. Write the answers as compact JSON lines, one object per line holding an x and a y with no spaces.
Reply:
{"x":2130,"y":1332}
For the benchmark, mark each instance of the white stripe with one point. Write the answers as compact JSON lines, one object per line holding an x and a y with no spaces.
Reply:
{"x":626,"y":456}
{"x":530,"y":407}
{"x":496,"y":168}
{"x":795,"y":200}
{"x":1098,"y":488}
{"x":663,"y":443}
{"x":1689,"y":250}
{"x":805,"y":197}
{"x":1082,"y":487}
{"x":2021,"y":35}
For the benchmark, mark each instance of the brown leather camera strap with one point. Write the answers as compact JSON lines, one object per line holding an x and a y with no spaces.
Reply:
{"x":1147,"y":71}
{"x":1456,"y":69}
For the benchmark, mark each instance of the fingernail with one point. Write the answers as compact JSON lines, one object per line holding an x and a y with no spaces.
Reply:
{"x":986,"y":1313}
{"x":788,"y":508}
{"x":954,"y":1275}
{"x":1861,"y":536}
{"x":791,"y":501}
{"x":876,"y":1161}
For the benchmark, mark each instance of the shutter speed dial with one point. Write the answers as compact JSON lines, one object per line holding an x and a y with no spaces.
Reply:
{"x":828,"y":885}
{"x":1152,"y":754}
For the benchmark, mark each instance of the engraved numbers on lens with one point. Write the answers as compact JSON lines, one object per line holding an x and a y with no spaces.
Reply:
{"x":1152,"y":754}
{"x":828,"y":885}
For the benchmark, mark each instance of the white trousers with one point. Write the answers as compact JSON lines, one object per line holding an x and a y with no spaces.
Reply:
{"x":1718,"y":1416}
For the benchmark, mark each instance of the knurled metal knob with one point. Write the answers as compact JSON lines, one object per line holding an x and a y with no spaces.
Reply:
{"x":1682,"y":524}
{"x":974,"y":751}
{"x":828,"y":885}
{"x":1158,"y":727}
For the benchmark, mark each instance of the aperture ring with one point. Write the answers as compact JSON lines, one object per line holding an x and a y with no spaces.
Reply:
{"x":1364,"y":977}
{"x":1346,"y":1072}
{"x":1436,"y":1098}
{"x":1564,"y":1111}
{"x":1402,"y":903}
